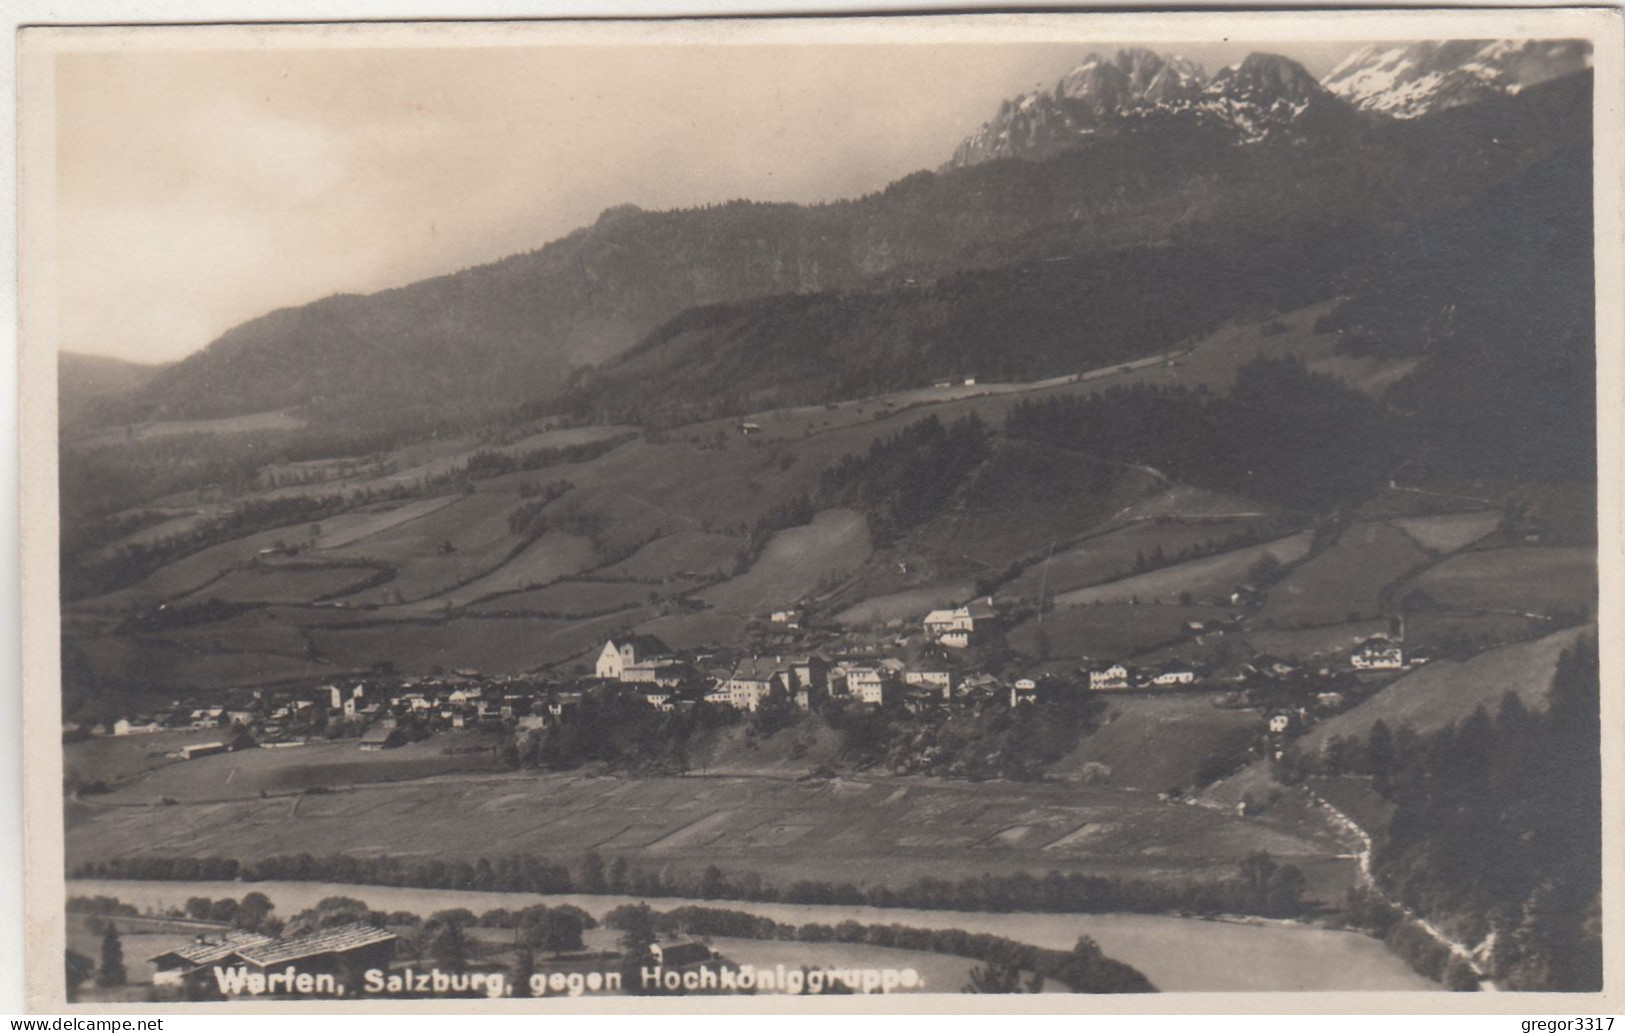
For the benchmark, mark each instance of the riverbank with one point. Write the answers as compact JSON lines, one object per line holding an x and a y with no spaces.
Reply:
{"x":1177,"y":954}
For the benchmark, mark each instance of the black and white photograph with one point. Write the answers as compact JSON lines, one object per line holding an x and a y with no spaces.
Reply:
{"x":774,"y":509}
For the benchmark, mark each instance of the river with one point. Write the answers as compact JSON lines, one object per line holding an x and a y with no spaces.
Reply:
{"x":1177,"y":954}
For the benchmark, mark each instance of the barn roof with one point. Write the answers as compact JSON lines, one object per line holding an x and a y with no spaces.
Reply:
{"x":336,"y":940}
{"x":203,"y":952}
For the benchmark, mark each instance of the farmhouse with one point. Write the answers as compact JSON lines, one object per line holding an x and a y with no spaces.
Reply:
{"x":939,"y":679}
{"x":341,"y":951}
{"x":616,"y":657}
{"x":1173,"y":674}
{"x":173,"y":966}
{"x":1025,"y":690}
{"x":1378,"y":654}
{"x":1109,"y":679}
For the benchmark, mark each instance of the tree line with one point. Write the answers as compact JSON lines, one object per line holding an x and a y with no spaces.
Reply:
{"x":1084,"y":969}
{"x":1260,"y":885}
{"x":1283,"y":435}
{"x":1497,"y":825}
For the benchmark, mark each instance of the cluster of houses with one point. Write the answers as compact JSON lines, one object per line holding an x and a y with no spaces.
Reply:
{"x":746,"y":683}
{"x":940,"y":671}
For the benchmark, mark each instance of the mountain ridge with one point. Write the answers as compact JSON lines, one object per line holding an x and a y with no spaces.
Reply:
{"x":522,"y":328}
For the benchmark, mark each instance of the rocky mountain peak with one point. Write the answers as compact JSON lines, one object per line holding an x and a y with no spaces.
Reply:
{"x":1264,"y":95}
{"x":1266,"y":78}
{"x":1407,"y":81}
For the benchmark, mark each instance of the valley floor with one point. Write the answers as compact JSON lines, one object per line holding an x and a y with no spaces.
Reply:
{"x":881,"y":831}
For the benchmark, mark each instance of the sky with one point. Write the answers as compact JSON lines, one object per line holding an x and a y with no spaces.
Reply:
{"x":199,"y":189}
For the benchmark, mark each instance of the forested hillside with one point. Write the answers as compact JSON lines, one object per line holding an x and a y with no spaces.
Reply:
{"x":515,"y":329}
{"x":1496,"y":831}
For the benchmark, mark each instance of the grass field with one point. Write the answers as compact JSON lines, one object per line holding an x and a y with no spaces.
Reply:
{"x":260,"y":630}
{"x":549,"y":558}
{"x":248,"y":423}
{"x":1343,"y":582}
{"x":1448,"y":532}
{"x":349,"y":528}
{"x":694,"y":630}
{"x":1183,"y":502}
{"x":452,"y":545}
{"x":140,"y":943}
{"x":795,"y":563}
{"x":245,"y":774}
{"x":1108,"y":632}
{"x":693,"y":552}
{"x":1316,"y":643}
{"x":198,"y":662}
{"x":1207,"y":579}
{"x":1441,"y":693}
{"x":907,"y":604}
{"x":283,"y":583}
{"x":1517,"y":580}
{"x":1114,"y":555}
{"x":878,"y":831}
{"x":1432,"y":628}
{"x":571,"y":599}
{"x":179,"y":522}
{"x":113,"y":758}
{"x":1445,"y":691}
{"x":490,"y":645}
{"x":190,"y":573}
{"x":1157,"y":742}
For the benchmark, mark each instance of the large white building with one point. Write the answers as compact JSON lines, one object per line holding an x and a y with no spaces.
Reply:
{"x":616,"y":657}
{"x":958,"y":627}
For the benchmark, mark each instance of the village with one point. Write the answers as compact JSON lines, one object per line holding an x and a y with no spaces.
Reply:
{"x":952,"y":659}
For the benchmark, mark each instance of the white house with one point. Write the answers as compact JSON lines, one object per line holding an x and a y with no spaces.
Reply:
{"x":1378,"y":654}
{"x":956,"y":627}
{"x":1173,"y":675}
{"x":868,"y":684}
{"x":1280,"y":723}
{"x":754,"y":680}
{"x":1025,"y":690}
{"x":1109,"y":678}
{"x":936,"y":678}
{"x":656,"y":697}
